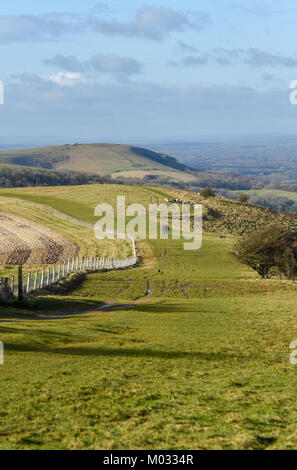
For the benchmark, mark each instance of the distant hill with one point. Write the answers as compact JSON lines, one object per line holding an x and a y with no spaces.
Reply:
{"x":124,"y":163}
{"x":101,"y":159}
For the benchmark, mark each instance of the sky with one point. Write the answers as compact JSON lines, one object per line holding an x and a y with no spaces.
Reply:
{"x":117,"y":70}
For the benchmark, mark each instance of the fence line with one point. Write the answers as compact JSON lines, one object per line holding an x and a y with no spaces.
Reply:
{"x":63,"y":216}
{"x":69,"y":218}
{"x":50,"y":210}
{"x":44,"y":278}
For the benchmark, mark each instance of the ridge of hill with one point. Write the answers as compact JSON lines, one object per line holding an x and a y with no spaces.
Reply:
{"x":101,"y":159}
{"x":125,"y":163}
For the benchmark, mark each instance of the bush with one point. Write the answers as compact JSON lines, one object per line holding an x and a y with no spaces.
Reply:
{"x":207,"y":192}
{"x":243,"y":199}
{"x":213,"y":214}
{"x":269,"y":251}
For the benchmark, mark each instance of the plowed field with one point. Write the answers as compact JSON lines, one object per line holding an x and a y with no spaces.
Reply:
{"x":26,"y":242}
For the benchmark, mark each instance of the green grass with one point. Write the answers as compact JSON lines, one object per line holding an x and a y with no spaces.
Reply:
{"x":82,"y":236}
{"x":80,"y":202}
{"x":273,"y":192}
{"x":201,"y":363}
{"x":170,"y":371}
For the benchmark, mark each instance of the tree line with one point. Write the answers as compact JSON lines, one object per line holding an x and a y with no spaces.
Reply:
{"x":12,"y":176}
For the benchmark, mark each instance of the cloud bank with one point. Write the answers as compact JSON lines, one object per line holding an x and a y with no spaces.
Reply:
{"x":104,"y":63}
{"x":97,"y":107}
{"x":154,"y":23}
{"x":253,"y":57}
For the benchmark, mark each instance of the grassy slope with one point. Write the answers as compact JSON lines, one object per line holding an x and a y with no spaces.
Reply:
{"x":98,"y":158}
{"x":273,"y":192}
{"x":82,"y":236}
{"x":201,"y":363}
{"x":80,"y":202}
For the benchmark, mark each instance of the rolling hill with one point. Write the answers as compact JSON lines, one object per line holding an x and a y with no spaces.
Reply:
{"x":101,"y":159}
{"x":220,"y":215}
{"x":99,"y":163}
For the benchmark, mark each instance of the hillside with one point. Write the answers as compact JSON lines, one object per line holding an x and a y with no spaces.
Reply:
{"x":35,"y":235}
{"x":220,"y":215}
{"x":98,"y":163}
{"x":276,"y":199}
{"x":212,"y":337}
{"x":101,"y":159}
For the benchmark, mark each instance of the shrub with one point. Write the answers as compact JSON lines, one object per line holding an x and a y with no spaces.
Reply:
{"x":207,"y":192}
{"x":243,"y":199}
{"x":272,"y":250}
{"x":213,"y":213}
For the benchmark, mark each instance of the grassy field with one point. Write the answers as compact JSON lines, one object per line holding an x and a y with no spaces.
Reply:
{"x":174,"y":175}
{"x":220,"y":215}
{"x":272,"y":192}
{"x":200,"y":363}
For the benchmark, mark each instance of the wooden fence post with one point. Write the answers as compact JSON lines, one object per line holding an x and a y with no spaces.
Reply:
{"x":42,"y":279}
{"x":6,"y":289}
{"x":35,"y":280}
{"x":28,"y":282}
{"x":20,"y":283}
{"x":12,"y":286}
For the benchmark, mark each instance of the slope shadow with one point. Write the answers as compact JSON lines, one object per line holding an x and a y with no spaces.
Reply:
{"x":99,"y":351}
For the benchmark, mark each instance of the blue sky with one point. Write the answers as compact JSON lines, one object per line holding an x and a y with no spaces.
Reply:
{"x":147,"y":69}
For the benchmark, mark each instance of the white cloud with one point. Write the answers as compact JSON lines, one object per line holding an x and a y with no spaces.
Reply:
{"x":67,"y":78}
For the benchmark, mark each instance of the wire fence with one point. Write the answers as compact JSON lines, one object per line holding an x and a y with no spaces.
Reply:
{"x":50,"y":210}
{"x":18,"y":286}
